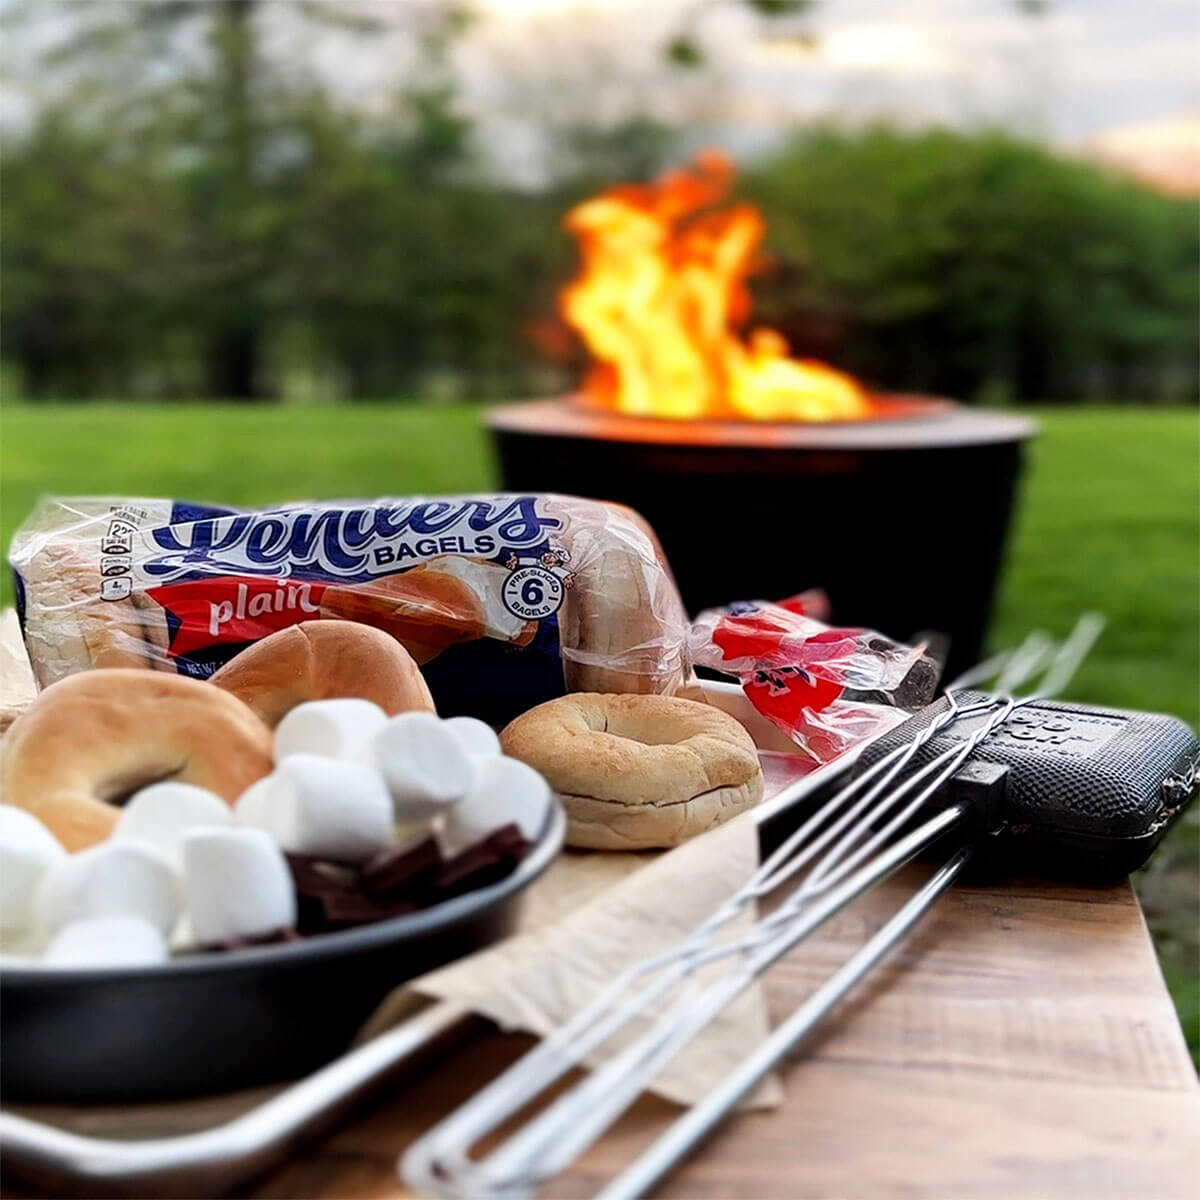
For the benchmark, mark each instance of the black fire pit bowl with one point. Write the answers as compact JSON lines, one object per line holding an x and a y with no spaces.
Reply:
{"x":902,"y":519}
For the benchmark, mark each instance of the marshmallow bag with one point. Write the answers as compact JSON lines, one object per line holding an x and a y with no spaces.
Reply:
{"x":218,"y":1022}
{"x":504,"y":600}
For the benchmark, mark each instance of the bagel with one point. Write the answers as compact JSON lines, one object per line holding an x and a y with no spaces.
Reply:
{"x":71,"y":622}
{"x":324,"y":660}
{"x":638,"y":772}
{"x":90,"y":740}
{"x":622,"y":621}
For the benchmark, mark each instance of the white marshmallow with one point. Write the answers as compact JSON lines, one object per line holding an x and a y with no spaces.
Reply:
{"x":27,"y":850}
{"x":115,"y":878}
{"x":181,"y":937}
{"x":478,"y":738}
{"x":253,"y":806}
{"x":22,"y":946}
{"x":162,"y":813}
{"x":508,"y":791}
{"x":237,"y":884}
{"x":111,"y":941}
{"x":324,"y":806}
{"x":336,"y":728}
{"x":424,"y":764}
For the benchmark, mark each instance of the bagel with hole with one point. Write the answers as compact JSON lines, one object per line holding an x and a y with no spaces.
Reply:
{"x":93,"y":739}
{"x":324,"y":660}
{"x":638,"y":772}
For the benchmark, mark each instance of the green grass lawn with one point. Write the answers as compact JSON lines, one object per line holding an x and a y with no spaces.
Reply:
{"x":1110,"y":520}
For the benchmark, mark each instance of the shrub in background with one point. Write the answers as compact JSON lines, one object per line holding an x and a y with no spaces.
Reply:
{"x":967,"y":264}
{"x":370,"y":256}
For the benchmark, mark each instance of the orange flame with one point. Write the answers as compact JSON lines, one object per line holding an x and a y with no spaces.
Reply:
{"x":662,"y":289}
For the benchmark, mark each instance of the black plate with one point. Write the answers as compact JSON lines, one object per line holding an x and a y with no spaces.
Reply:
{"x":217,"y":1022}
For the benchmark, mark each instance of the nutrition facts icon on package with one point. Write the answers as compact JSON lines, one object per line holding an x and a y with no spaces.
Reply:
{"x":118,"y":539}
{"x":116,"y":587}
{"x":115,"y":566}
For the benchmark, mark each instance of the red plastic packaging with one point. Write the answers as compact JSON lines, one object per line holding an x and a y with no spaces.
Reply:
{"x":826,"y":688}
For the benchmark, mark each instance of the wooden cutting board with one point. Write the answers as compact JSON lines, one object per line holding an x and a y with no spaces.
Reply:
{"x":1022,"y":1045}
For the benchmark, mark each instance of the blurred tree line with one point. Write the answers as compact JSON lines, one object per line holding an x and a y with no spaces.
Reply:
{"x":981,"y":266}
{"x":220,"y":227}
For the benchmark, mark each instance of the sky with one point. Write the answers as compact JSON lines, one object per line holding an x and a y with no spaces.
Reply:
{"x":1087,"y":66}
{"x":1116,"y":78}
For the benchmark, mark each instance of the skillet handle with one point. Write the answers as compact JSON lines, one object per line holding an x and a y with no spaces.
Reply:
{"x":215,"y":1160}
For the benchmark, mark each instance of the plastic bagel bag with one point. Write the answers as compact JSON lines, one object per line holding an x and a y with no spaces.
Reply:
{"x":505,"y":600}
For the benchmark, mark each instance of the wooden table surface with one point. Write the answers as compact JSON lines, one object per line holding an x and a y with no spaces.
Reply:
{"x":1022,"y":1044}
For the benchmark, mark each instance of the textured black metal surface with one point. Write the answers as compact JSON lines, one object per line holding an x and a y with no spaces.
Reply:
{"x":218,"y":1022}
{"x":1091,"y":790}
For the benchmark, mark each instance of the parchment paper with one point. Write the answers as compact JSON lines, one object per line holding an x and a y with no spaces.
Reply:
{"x":594,"y":913}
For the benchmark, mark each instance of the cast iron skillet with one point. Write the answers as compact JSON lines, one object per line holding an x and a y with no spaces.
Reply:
{"x":216,"y":1022}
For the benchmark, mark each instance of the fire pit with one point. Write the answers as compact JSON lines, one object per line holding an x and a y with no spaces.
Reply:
{"x":762,"y":474}
{"x":902,"y":519}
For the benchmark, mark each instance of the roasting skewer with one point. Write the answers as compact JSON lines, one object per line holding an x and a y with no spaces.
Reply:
{"x":686,"y":1133}
{"x":699,"y":1120}
{"x":858,"y":853}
